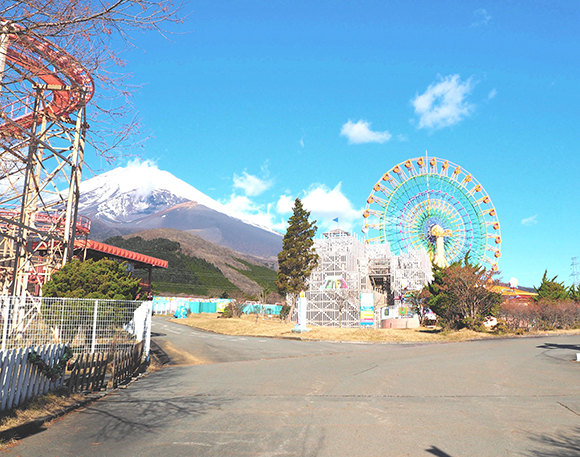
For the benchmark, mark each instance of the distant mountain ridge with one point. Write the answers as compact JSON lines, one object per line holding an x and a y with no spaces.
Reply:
{"x":130,"y":199}
{"x":234,"y":266}
{"x":226,"y":259}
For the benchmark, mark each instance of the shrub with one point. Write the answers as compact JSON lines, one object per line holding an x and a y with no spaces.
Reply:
{"x":473,"y":323}
{"x":543,"y":315}
{"x":500,"y":328}
{"x":284,"y":312}
{"x":461,"y":295}
{"x":231,"y":310}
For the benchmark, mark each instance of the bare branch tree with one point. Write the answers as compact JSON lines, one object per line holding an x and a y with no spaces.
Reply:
{"x":95,"y":33}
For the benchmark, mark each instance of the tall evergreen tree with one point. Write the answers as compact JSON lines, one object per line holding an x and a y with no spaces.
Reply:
{"x":551,"y":290}
{"x":574,"y":292}
{"x":297,"y":258}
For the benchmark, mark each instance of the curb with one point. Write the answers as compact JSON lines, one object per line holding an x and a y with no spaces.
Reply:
{"x":159,"y":353}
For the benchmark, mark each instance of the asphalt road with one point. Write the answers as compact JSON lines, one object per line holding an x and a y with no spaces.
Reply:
{"x":267,"y":397}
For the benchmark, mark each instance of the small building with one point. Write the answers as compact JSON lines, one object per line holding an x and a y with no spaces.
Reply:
{"x":89,"y":249}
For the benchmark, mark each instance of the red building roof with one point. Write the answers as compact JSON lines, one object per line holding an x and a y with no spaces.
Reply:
{"x":121,"y":253}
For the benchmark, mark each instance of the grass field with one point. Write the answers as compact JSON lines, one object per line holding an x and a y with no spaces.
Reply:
{"x":248,"y":325}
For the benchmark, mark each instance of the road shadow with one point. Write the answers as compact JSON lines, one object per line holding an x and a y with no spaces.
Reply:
{"x":22,"y":431}
{"x":437,"y":452}
{"x":561,"y":445}
{"x":571,"y":347}
{"x":123,"y":419}
{"x":432,"y":331}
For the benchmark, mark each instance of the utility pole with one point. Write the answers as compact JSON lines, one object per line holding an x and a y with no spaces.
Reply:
{"x":575,"y":275}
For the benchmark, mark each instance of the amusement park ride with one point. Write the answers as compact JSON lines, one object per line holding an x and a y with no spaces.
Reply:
{"x":423,"y":204}
{"x":43,"y":95}
{"x":433,"y":204}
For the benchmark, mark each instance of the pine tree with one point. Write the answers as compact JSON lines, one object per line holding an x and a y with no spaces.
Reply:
{"x":574,"y":293}
{"x":297,"y":258}
{"x":551,"y":290}
{"x":103,"y":279}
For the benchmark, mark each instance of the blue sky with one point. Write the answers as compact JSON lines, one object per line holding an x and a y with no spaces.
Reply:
{"x":261,"y":102}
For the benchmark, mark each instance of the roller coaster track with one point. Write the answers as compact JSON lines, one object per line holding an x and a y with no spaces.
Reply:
{"x":43,"y":95}
{"x":33,"y":55}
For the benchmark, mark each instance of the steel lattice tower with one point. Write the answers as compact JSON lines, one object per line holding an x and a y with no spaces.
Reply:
{"x":43,"y":98}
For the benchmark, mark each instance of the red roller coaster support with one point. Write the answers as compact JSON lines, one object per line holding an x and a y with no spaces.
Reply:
{"x":43,"y":95}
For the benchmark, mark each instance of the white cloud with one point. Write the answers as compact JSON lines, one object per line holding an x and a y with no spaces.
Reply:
{"x":530,"y":220}
{"x":245,"y":208}
{"x":140,"y":175}
{"x":242,"y":203}
{"x":285,"y":204}
{"x":251,"y":185}
{"x":481,"y":18}
{"x":361,"y":133}
{"x":443,"y":103}
{"x":326,"y":204}
{"x":492,"y":94}
{"x":140,"y":163}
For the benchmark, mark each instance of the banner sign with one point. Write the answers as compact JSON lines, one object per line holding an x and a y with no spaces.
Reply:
{"x":367,"y":308}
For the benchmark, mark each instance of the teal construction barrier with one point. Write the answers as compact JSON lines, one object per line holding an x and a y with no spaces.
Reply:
{"x":169,"y":305}
{"x":207,"y":307}
{"x":266,"y":309}
{"x":194,"y":307}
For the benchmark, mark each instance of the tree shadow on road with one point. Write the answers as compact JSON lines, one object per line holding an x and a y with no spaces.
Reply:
{"x":120,"y":419}
{"x":561,"y":445}
{"x":572,"y":347}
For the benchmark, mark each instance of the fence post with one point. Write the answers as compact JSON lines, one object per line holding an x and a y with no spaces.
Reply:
{"x":94,"y":327}
{"x":5,"y":315}
{"x":148,"y":322}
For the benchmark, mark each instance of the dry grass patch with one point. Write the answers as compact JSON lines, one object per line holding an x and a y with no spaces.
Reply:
{"x":418,"y":335}
{"x":248,"y":325}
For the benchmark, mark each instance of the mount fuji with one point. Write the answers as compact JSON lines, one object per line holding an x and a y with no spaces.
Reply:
{"x":130,"y":199}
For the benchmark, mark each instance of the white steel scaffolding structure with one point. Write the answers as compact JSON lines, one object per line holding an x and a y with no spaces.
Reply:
{"x":334,"y":286}
{"x":347,"y":267}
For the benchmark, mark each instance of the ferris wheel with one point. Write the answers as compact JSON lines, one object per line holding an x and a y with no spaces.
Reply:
{"x":433,"y":204}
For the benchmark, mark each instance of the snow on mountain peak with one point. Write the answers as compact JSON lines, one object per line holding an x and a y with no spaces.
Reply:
{"x":141,"y":179}
{"x":139,"y":189}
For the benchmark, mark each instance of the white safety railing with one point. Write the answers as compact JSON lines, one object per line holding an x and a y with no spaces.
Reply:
{"x":48,"y":325}
{"x":85,"y":325}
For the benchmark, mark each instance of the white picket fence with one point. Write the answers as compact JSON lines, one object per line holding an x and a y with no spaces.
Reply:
{"x":21,"y":380}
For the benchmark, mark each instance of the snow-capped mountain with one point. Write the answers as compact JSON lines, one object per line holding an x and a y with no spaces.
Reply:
{"x":126,"y":191}
{"x":129,"y":199}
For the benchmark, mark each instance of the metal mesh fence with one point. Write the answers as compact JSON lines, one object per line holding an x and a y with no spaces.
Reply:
{"x":86,"y":325}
